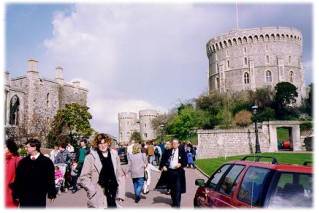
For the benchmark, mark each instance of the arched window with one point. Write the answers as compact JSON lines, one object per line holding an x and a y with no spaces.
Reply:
{"x":229,"y":42}
{"x":217,"y":83}
{"x":267,"y":37}
{"x":239,"y":40}
{"x":246,"y":61}
{"x":268,"y":76}
{"x":256,"y":38}
{"x":289,"y":59}
{"x":245,"y":40}
{"x":48,"y":96}
{"x":246,"y":78}
{"x":14,"y":110}
{"x":291,"y":76}
{"x":267,"y":59}
{"x":250,"y":39}
{"x":234,"y":41}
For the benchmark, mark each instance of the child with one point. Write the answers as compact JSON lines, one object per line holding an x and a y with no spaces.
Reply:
{"x":58,"y":178}
{"x":74,"y":175}
{"x":190,"y":161}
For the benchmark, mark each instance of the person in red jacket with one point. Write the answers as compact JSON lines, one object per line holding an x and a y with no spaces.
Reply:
{"x":12,"y":159}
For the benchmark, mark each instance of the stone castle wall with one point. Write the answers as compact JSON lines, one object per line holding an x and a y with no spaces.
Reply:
{"x":255,"y":51}
{"x":39,"y":98}
{"x":220,"y":143}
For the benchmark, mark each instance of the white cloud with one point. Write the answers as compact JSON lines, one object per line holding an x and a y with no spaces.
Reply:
{"x":133,"y":56}
{"x":125,"y":54}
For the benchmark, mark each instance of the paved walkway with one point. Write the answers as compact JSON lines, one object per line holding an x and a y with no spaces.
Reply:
{"x":153,"y":199}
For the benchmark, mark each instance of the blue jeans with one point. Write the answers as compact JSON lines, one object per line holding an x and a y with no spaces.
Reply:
{"x":138,"y":186}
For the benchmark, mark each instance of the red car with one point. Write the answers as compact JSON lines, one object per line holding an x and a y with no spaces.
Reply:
{"x":252,"y":184}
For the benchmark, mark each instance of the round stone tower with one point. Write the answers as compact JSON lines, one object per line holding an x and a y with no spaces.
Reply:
{"x":146,"y":128}
{"x":246,"y":59}
{"x":127,"y":125}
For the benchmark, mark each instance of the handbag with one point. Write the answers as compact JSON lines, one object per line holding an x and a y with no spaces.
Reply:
{"x":145,"y":175}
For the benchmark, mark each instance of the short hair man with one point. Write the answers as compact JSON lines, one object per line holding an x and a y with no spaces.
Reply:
{"x":34,"y":178}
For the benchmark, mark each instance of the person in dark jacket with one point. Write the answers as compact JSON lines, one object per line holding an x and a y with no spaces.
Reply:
{"x":162,"y":183}
{"x":34,"y":179}
{"x":174,"y":162}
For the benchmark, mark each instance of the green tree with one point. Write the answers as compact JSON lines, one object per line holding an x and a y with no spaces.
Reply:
{"x":184,"y":124}
{"x":136,"y":136}
{"x":308,"y":102}
{"x":212,"y":104}
{"x":285,"y":95}
{"x":73,"y":121}
{"x":266,"y":114}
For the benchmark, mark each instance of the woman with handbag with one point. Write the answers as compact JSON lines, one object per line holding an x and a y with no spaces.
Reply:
{"x":137,"y":162}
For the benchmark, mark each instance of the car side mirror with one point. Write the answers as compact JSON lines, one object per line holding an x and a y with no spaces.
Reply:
{"x":200,"y":182}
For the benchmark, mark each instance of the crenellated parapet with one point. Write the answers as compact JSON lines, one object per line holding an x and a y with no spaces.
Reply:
{"x":253,"y":36}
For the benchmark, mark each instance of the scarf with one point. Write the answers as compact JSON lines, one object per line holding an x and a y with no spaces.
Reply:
{"x":107,"y":178}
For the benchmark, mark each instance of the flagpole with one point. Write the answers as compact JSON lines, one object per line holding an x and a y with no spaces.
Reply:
{"x":237,"y":25}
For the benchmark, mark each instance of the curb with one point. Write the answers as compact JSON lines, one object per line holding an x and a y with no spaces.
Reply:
{"x":201,"y":171}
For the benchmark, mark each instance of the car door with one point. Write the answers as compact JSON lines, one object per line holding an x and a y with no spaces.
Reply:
{"x":253,"y":187}
{"x":211,"y":184}
{"x":224,"y":192}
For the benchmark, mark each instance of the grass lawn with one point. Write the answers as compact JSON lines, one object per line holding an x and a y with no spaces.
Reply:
{"x":282,"y":134}
{"x":210,"y":165}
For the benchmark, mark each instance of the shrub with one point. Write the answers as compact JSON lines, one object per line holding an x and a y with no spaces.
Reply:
{"x":243,"y":118}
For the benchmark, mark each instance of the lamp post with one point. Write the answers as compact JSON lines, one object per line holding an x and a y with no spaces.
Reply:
{"x":255,"y":108}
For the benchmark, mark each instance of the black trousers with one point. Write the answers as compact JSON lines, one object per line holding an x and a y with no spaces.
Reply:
{"x":111,"y":196}
{"x":175,"y":187}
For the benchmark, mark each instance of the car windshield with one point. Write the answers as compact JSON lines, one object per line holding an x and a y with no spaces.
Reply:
{"x":292,"y":190}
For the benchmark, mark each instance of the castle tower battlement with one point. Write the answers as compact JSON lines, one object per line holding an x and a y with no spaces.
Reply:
{"x":246,"y":59}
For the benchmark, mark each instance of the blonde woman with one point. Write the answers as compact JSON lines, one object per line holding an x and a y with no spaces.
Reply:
{"x":137,"y":162}
{"x":100,"y":173}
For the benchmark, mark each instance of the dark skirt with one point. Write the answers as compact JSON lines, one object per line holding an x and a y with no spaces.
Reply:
{"x":163,"y":181}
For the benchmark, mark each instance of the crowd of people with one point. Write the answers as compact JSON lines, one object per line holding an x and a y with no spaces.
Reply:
{"x":97,"y":169}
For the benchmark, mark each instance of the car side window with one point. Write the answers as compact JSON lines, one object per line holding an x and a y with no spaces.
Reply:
{"x":293,"y":190}
{"x":215,"y":178}
{"x":252,"y":186}
{"x":229,"y":180}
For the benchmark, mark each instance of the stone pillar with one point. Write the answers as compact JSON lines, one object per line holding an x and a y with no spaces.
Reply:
{"x":33,"y":78}
{"x":296,"y":138}
{"x":273,"y":146}
{"x":59,"y":75}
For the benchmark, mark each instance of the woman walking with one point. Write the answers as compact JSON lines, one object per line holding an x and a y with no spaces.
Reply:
{"x":12,"y":159}
{"x":100,"y":173}
{"x":137,"y":162}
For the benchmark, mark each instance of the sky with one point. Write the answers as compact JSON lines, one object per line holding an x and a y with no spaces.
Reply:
{"x":136,"y":56}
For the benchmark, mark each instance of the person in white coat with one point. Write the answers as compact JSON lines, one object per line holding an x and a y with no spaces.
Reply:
{"x":101,"y":172}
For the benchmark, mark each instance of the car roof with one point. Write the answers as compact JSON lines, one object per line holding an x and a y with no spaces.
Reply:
{"x":277,"y":167}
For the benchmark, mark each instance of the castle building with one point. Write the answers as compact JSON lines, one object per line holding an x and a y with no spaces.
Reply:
{"x":247,"y":59}
{"x":31,"y":100}
{"x":129,"y":123}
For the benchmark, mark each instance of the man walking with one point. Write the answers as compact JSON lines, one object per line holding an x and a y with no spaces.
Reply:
{"x":176,"y":161}
{"x":34,"y":178}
